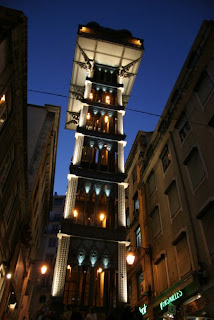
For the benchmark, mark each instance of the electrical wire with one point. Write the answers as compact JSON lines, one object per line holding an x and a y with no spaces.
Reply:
{"x":130,"y":109}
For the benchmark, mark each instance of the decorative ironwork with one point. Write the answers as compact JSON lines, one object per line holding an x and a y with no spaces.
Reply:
{"x":88,"y":65}
{"x":74,"y":117}
{"x":77,"y":92}
{"x":123,"y":71}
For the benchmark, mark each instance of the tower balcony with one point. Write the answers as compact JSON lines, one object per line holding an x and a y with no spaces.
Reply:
{"x":99,"y":134}
{"x":78,"y":230}
{"x":103,"y":105}
{"x":97,"y":175}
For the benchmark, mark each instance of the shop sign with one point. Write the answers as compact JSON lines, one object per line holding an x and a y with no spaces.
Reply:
{"x":143,"y":309}
{"x":172,"y":298}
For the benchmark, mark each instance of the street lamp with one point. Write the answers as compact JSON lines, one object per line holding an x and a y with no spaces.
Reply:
{"x":130,"y":258}
{"x":44,"y":269}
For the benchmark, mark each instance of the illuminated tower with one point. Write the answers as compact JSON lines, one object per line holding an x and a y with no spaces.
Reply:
{"x":91,"y":259}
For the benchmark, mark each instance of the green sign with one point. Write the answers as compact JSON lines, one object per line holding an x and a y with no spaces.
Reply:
{"x":143,"y":309}
{"x":173,"y":297}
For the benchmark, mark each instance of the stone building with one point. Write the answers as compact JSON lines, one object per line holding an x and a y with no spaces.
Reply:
{"x":90,"y":266}
{"x":47,"y":257}
{"x":28,"y":143}
{"x":13,"y":159}
{"x":176,"y":212}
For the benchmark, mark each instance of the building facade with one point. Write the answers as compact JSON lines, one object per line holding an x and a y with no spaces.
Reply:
{"x":13,"y":149}
{"x":90,"y":267}
{"x":176,"y":183}
{"x":47,"y":256}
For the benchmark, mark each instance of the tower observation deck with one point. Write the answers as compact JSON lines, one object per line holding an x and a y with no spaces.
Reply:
{"x":90,"y":267}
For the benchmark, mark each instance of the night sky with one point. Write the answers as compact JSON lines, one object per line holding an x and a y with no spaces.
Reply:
{"x":168,"y":28}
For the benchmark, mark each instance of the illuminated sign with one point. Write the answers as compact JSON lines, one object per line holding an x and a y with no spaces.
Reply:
{"x":173,"y":297}
{"x":143,"y":309}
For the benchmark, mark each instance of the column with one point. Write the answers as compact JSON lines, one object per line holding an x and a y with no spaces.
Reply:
{"x":60,"y":265}
{"x":120,"y":115}
{"x":122,"y":275}
{"x":70,"y":196}
{"x":79,"y":139}
{"x":83,"y":116}
{"x":121,"y":145}
{"x":120,"y":96}
{"x":88,"y":86}
{"x":121,"y":205}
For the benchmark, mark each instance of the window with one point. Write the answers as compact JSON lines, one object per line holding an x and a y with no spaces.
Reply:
{"x":58,"y":202}
{"x":183,"y":127}
{"x":207,"y":218}
{"x":161,"y":273}
{"x":195,"y":167}
{"x":134,"y":175}
{"x":183,"y":254}
{"x":10,"y":204}
{"x":174,"y":202}
{"x":136,"y":204}
{"x":166,"y":158}
{"x":52,"y":242}
{"x":55,"y":228}
{"x":151,"y":183}
{"x":5,"y":106}
{"x":127,"y":218}
{"x":6,"y":166}
{"x":204,"y":87}
{"x":156,"y":225}
{"x":139,"y":279}
{"x":138,"y":237}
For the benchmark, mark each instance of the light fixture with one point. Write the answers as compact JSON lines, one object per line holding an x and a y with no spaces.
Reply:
{"x":102,"y":216}
{"x":3,"y":98}
{"x":88,"y":116}
{"x":108,"y":99}
{"x":100,"y":270}
{"x":75,"y":213}
{"x":68,"y":267}
{"x":130,"y":258}
{"x":91,"y":96}
{"x":9,"y":275}
{"x":44,"y":269}
{"x":106,"y":119}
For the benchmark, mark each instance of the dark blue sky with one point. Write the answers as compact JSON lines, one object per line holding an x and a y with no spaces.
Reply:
{"x":168,"y":28}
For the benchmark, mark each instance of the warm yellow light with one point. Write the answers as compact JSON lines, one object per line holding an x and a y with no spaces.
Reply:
{"x":84,"y":29}
{"x":108,"y":99}
{"x":102,"y":216}
{"x":91,"y":96}
{"x":75,"y":213}
{"x":44,"y":269}
{"x":88,"y":116}
{"x":136,"y":42}
{"x":3,"y":98}
{"x":106,"y":119}
{"x":9,"y":275}
{"x":130,"y":258}
{"x":68,"y":267}
{"x":99,"y":270}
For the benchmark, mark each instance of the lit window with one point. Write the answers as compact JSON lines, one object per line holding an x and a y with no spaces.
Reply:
{"x":108,"y":99}
{"x":88,"y":116}
{"x":183,"y":127}
{"x":106,"y":119}
{"x":91,"y":96}
{"x":195,"y":167}
{"x":174,"y":202}
{"x":166,"y":158}
{"x":3,"y":110}
{"x":204,"y":87}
